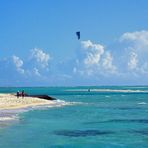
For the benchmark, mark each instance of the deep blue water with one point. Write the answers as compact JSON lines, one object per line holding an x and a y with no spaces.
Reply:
{"x":104,"y":117}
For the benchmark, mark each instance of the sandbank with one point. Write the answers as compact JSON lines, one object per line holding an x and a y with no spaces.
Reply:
{"x":10,"y":101}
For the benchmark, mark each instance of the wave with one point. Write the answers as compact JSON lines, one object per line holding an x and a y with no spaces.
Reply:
{"x":56,"y":103}
{"x":59,"y":103}
{"x":7,"y":116}
{"x":107,"y":96}
{"x":142,"y":103}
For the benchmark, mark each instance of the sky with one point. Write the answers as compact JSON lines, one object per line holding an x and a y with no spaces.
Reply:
{"x":39,"y":46}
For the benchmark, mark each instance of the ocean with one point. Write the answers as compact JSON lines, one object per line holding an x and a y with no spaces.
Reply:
{"x":84,"y":117}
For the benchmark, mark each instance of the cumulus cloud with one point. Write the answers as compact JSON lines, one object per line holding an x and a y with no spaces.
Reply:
{"x":139,"y":39}
{"x":108,"y":63}
{"x":18,"y":63}
{"x":138,"y":50}
{"x":36,"y":72}
{"x":93,"y":53}
{"x":96,"y":60}
{"x":133,"y":61}
{"x":41,"y":57}
{"x":93,"y":62}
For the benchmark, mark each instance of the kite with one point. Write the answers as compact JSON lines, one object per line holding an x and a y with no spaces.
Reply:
{"x":78,"y":34}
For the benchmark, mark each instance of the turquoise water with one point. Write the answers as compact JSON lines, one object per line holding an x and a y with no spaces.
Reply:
{"x":94,"y":117}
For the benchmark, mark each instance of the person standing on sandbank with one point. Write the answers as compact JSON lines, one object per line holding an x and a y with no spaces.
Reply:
{"x":23,"y":93}
{"x":18,"y":94}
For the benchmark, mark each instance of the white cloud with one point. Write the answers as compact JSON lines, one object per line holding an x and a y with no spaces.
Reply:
{"x":36,"y":72}
{"x":139,"y":39}
{"x":108,"y":63}
{"x":93,"y":52}
{"x":138,"y":50}
{"x":95,"y":60}
{"x":133,"y":61}
{"x":18,"y":63}
{"x":41,"y":57}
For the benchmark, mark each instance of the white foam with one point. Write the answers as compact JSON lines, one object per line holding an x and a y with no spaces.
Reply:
{"x":57,"y":103}
{"x":142,"y":103}
{"x":8,"y":118}
{"x":64,"y":103}
{"x":107,"y":96}
{"x":13,"y":114}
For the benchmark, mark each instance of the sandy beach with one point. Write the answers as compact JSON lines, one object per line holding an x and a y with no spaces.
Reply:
{"x":11,"y":106}
{"x":10,"y":101}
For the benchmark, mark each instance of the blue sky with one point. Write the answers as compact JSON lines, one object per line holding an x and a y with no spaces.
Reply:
{"x":38,"y":45}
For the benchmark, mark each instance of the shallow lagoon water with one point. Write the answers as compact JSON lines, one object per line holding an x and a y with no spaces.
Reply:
{"x":104,"y":117}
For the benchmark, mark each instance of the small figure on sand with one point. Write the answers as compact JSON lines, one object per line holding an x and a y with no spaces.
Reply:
{"x":18,"y":94}
{"x":23,"y":94}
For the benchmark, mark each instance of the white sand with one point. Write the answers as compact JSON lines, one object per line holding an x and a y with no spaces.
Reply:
{"x":10,"y":101}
